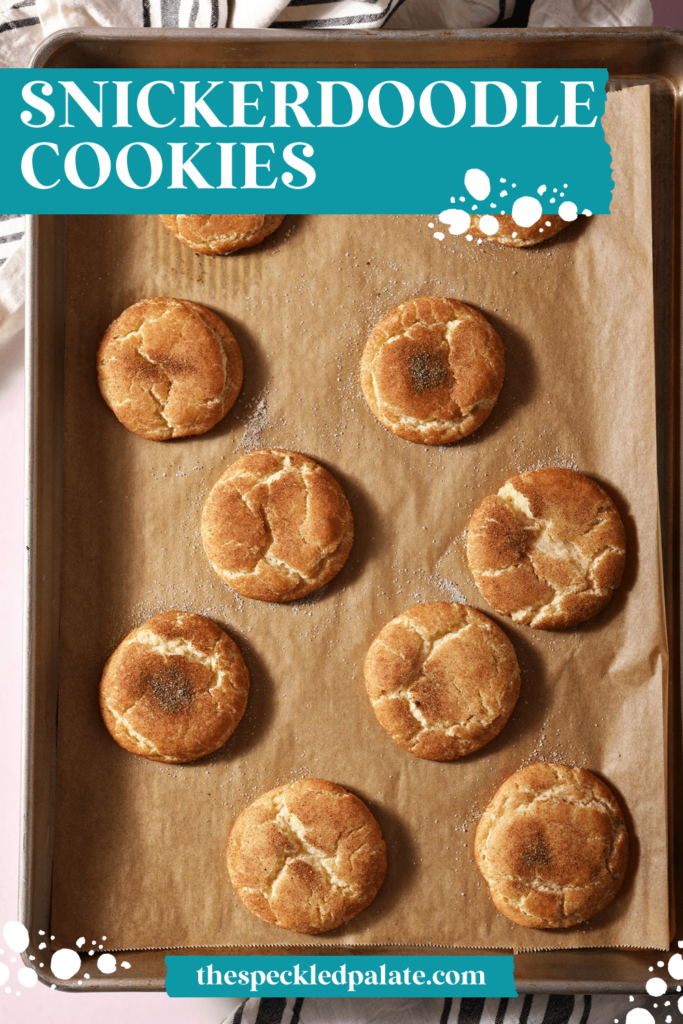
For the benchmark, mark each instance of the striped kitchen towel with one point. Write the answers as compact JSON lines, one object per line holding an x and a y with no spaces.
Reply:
{"x":529,"y":1009}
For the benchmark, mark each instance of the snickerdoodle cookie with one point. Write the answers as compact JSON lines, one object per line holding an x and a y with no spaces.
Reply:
{"x":549,"y":549}
{"x":442,"y":679}
{"x":276,"y":526}
{"x":219,"y":234}
{"x":307,"y":856}
{"x":175,"y":689}
{"x":508,"y":232}
{"x":553,"y":846}
{"x":432,"y":369}
{"x":168,"y":368}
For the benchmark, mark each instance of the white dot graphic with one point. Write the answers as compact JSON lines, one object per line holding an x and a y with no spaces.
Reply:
{"x":16,"y":936}
{"x":676,"y":966}
{"x":27,"y":977}
{"x":65,"y":963}
{"x":477,"y":183}
{"x":655,"y":986}
{"x":568,"y":211}
{"x":458,"y":221}
{"x":526,"y":211}
{"x":106,"y":963}
{"x":488,"y":224}
{"x":4,"y":973}
{"x":587,"y":213}
{"x":439,"y":235}
{"x":542,"y":189}
{"x":639,"y":1015}
{"x":80,"y":942}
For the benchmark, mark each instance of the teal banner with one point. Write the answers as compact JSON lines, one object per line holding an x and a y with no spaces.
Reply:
{"x":393,"y":140}
{"x":349,"y":976}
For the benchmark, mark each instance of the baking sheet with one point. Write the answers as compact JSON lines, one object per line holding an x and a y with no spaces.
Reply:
{"x":139,"y":846}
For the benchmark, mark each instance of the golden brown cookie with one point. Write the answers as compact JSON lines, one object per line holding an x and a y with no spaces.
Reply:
{"x":442,"y":679}
{"x":219,"y":234}
{"x":432,"y":369}
{"x":175,"y":689}
{"x":276,"y":526}
{"x":549,"y":549}
{"x":552,"y":846}
{"x":168,"y":368}
{"x":307,"y":856}
{"x":511,"y":234}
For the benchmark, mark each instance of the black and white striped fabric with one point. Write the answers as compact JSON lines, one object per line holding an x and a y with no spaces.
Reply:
{"x":536,"y":1009}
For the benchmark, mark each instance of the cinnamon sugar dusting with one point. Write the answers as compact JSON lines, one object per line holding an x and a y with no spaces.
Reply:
{"x":172,"y":690}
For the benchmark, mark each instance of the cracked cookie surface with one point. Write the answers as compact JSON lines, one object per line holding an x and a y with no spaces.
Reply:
{"x":169,"y":368}
{"x":432,"y":370}
{"x":442,"y":679}
{"x":511,"y":234}
{"x":220,"y":234}
{"x":307,"y":856}
{"x":552,"y":846}
{"x":549,"y":549}
{"x":276,"y":526}
{"x":175,"y":689}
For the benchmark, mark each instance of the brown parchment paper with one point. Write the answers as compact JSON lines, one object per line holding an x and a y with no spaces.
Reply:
{"x":139,"y":846}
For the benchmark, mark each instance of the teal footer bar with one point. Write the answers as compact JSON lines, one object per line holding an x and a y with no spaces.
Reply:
{"x":349,"y":976}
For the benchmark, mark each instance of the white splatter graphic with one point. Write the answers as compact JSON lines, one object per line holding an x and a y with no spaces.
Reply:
{"x":655,"y":987}
{"x":439,"y":235}
{"x":542,"y":189}
{"x":106,"y":963}
{"x":4,"y":973}
{"x":16,"y":936}
{"x":676,"y":966}
{"x":526,"y":211}
{"x":27,"y":977}
{"x":639,"y":1015}
{"x":79,"y":942}
{"x":458,"y":221}
{"x":488,"y":224}
{"x":65,"y":963}
{"x":477,"y":183}
{"x":124,"y":963}
{"x":568,"y":211}
{"x":587,"y":213}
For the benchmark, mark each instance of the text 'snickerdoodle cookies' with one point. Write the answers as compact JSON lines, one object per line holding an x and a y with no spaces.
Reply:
{"x":432,"y":370}
{"x":442,"y":679}
{"x":276,"y":526}
{"x":549,"y":549}
{"x":552,"y":846}
{"x":169,"y":368}
{"x":175,"y":689}
{"x":307,"y":856}
{"x":510,"y":233}
{"x":220,"y":234}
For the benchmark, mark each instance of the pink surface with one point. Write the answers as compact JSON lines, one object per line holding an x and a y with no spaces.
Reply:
{"x":668,"y":13}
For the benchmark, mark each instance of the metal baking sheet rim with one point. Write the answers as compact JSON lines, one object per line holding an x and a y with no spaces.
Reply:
{"x":655,"y":55}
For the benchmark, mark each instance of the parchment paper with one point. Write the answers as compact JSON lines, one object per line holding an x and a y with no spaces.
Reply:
{"x":139,"y":847}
